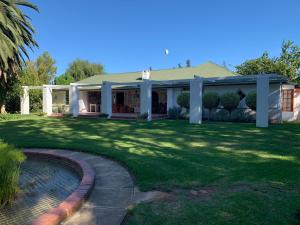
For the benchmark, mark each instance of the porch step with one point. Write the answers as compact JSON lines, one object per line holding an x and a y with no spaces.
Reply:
{"x":154,"y":117}
{"x":88,"y":116}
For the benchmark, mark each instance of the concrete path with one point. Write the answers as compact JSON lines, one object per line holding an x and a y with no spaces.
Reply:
{"x":112,"y":193}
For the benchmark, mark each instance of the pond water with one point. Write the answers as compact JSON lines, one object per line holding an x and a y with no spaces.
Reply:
{"x":44,"y":184}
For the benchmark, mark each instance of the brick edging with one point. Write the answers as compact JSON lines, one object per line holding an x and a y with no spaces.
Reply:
{"x":71,"y":204}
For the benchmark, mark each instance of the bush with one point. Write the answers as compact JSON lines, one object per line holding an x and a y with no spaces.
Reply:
{"x":143,"y":116}
{"x":184,"y":100}
{"x":8,"y":116}
{"x":251,"y":100}
{"x":174,"y":113}
{"x":230,"y":101}
{"x":211,"y":100}
{"x":242,"y":115}
{"x":36,"y":100}
{"x":221,"y":115}
{"x":103,"y":115}
{"x":10,"y":162}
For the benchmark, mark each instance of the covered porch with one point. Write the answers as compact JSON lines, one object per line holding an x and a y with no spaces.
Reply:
{"x":149,"y":98}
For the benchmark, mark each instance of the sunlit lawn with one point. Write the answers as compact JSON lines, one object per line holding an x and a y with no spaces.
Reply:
{"x":252,"y":175}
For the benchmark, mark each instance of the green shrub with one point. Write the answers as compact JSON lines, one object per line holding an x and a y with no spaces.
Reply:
{"x":230,"y":101}
{"x":221,"y":115}
{"x":211,"y":100}
{"x":143,"y":116}
{"x":184,"y":100}
{"x":10,"y":162}
{"x":174,"y":113}
{"x":36,"y":100}
{"x":251,"y":100}
{"x":8,"y":116}
{"x":103,"y":115}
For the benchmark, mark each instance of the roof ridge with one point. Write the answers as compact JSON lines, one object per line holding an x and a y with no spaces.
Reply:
{"x":164,"y":69}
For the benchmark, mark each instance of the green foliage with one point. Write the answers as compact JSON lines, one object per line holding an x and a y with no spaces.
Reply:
{"x":45,"y":68}
{"x":143,"y":116}
{"x":221,"y":115}
{"x":251,"y":100}
{"x":10,"y":161}
{"x":230,"y":101}
{"x":8,"y":117}
{"x":8,"y":89}
{"x":103,"y":115}
{"x":16,"y":36}
{"x":33,"y":73}
{"x":39,"y":72}
{"x":287,"y":64}
{"x":81,"y":69}
{"x":174,"y":113}
{"x":184,"y":100}
{"x":64,"y":79}
{"x":211,"y":100}
{"x":188,"y":157}
{"x":242,"y":115}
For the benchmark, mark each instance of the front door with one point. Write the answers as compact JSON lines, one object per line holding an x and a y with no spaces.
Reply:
{"x":120,"y":98}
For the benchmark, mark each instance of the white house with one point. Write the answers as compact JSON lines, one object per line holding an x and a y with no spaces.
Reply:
{"x":154,"y":92}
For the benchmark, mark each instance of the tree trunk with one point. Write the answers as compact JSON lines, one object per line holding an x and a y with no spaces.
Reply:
{"x":2,"y":109}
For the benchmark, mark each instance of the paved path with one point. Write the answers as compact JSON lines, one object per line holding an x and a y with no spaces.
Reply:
{"x":112,"y":193}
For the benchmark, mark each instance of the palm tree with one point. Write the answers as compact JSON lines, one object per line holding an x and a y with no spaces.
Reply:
{"x":16,"y":35}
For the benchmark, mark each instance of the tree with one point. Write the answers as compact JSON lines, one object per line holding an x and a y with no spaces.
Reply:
{"x":211,"y":100}
{"x":33,"y":73}
{"x":230,"y":101}
{"x":184,"y":100}
{"x":261,"y":65}
{"x":287,"y":64}
{"x":46,"y":68}
{"x":251,"y":100}
{"x":81,"y":69}
{"x":64,"y":79}
{"x":16,"y":33}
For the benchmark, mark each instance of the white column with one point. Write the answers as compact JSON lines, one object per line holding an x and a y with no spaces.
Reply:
{"x":146,"y":98}
{"x":47,"y":100}
{"x":262,"y":101}
{"x":172,"y":94}
{"x":74,"y":100}
{"x":25,"y":101}
{"x":106,"y":99}
{"x":196,"y":86}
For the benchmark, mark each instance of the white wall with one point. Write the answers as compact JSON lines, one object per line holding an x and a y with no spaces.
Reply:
{"x":295,"y":115}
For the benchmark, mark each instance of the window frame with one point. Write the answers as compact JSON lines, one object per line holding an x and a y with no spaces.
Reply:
{"x":287,"y":95}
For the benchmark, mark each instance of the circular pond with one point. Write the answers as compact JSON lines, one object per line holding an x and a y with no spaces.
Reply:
{"x":44,"y":183}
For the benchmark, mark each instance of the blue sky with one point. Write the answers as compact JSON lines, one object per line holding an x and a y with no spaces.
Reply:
{"x":131,"y":35}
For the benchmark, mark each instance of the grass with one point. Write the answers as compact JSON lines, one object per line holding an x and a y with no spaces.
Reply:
{"x":254,"y":173}
{"x":10,"y":161}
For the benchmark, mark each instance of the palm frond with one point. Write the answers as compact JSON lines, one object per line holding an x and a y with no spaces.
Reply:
{"x":16,"y":35}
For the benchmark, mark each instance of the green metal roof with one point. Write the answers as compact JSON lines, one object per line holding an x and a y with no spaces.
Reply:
{"x":207,"y":70}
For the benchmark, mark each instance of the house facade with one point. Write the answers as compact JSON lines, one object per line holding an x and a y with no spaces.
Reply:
{"x":154,"y":92}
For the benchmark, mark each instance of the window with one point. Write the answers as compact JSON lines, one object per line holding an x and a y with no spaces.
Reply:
{"x":288,"y":100}
{"x":67,"y":98}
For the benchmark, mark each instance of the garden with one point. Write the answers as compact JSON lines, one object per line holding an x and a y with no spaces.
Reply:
{"x":230,"y":106}
{"x":215,"y":173}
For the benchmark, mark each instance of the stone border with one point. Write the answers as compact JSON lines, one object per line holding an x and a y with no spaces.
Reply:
{"x":71,"y":204}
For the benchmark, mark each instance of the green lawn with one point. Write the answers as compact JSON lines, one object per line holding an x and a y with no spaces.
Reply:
{"x":249,"y":175}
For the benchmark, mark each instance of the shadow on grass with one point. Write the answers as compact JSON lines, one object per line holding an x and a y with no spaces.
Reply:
{"x":162,"y":154}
